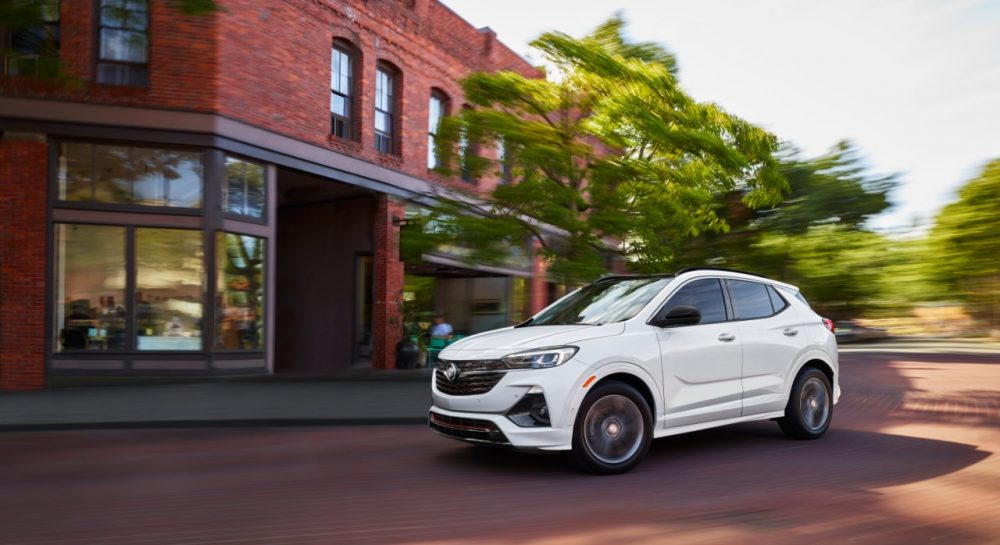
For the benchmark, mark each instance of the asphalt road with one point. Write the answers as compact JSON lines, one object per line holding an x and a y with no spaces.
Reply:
{"x":910,"y":459}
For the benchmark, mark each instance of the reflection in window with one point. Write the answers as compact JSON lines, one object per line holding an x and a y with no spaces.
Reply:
{"x":168,"y":289}
{"x":124,"y":42}
{"x":244,"y":189}
{"x":239,"y":320}
{"x":129,"y":175}
{"x":436,"y":109}
{"x":89,"y":303}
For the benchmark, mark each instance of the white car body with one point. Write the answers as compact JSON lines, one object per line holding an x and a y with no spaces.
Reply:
{"x":693,"y":378}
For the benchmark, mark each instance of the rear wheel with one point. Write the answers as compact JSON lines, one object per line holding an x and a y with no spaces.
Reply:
{"x":613,"y":429}
{"x":810,"y":406}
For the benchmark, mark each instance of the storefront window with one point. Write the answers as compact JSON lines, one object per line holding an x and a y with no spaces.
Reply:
{"x":239,"y":297}
{"x":168,"y":289}
{"x":130,"y":175}
{"x":90,"y":301}
{"x":244,"y":189}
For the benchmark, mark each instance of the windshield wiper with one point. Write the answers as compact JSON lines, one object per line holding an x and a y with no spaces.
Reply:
{"x":525,"y":323}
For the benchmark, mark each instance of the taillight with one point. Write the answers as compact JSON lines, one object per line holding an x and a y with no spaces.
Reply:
{"x":829,"y":325}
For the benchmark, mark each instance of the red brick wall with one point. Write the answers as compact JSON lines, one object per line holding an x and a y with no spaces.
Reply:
{"x":22,"y":262}
{"x":387,"y":311}
{"x":275,"y":59}
{"x":182,"y":62}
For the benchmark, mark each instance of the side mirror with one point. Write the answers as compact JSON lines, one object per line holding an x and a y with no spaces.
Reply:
{"x":678,"y":316}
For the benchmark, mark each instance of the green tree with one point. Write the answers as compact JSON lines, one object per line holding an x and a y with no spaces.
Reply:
{"x":965,"y":247}
{"x":609,"y":152}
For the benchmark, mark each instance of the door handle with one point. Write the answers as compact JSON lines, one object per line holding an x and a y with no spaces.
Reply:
{"x":726,"y":337}
{"x":790,"y":332}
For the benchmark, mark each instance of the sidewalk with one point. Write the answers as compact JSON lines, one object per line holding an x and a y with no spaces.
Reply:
{"x":219,"y":404}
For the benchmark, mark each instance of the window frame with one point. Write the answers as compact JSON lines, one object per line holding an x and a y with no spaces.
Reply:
{"x":224,"y":195}
{"x":98,"y":26}
{"x":351,"y":122}
{"x":432,"y":136}
{"x":393,"y":100}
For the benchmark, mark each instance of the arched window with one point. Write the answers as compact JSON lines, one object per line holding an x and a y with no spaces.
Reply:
{"x":386,"y":108}
{"x":343,"y":61}
{"x":436,"y":110}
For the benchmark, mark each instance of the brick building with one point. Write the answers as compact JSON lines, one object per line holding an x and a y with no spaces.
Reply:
{"x":223,"y":193}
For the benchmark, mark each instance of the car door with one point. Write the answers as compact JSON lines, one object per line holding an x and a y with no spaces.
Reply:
{"x":773,"y":337}
{"x":701,"y":363}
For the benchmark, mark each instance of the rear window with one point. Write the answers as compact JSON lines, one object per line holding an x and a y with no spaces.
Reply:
{"x":798,"y":295}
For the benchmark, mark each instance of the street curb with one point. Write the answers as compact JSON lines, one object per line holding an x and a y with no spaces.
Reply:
{"x":243,"y":423}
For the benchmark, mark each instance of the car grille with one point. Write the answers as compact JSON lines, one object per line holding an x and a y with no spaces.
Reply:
{"x":474,"y":377}
{"x":468,"y":429}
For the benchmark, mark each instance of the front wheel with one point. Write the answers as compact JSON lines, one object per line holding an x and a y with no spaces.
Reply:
{"x":613,"y":429}
{"x":810,"y":406}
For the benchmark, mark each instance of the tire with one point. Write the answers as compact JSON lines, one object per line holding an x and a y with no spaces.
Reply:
{"x":810,"y":406}
{"x":613,"y":429}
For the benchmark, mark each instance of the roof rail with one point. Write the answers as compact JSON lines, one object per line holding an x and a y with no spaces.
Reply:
{"x":691,"y":269}
{"x":631,"y":275}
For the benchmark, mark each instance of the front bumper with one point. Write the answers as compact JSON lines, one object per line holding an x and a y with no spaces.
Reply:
{"x":497,"y":429}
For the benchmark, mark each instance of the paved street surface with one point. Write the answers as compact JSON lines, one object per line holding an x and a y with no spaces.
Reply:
{"x":911,"y":458}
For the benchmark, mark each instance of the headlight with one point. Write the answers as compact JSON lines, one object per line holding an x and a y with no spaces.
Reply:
{"x":542,"y":358}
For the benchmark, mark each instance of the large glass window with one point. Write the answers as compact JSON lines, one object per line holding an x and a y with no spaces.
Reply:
{"x":34,"y":49}
{"x":385,"y":91}
{"x":169,"y":288}
{"x":124,"y":42}
{"x":705,"y":295}
{"x":89,"y":303}
{"x":239,"y":297}
{"x":436,"y":110}
{"x":130,"y":175}
{"x":750,"y":299}
{"x":341,"y":76}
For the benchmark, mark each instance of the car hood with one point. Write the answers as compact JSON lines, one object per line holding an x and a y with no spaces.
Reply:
{"x":510,"y":339}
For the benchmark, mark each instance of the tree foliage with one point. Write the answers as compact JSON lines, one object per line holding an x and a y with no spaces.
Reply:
{"x":609,"y":152}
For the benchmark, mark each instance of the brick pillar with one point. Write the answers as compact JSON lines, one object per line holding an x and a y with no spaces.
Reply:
{"x":539,"y":289}
{"x":22,"y":261}
{"x":387,"y":314}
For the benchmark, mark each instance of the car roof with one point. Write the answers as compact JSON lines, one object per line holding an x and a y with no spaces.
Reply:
{"x":728,"y":273}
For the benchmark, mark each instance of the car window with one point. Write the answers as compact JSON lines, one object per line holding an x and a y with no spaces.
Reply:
{"x":798,"y":295}
{"x":705,"y":295}
{"x":602,"y":302}
{"x":750,"y":299}
{"x":778,"y":302}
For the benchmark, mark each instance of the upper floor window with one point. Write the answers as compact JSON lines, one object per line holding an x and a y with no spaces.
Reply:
{"x":32,"y":48}
{"x":385,"y":108}
{"x":341,"y":91}
{"x":506,"y":161}
{"x":129,"y":175}
{"x":436,"y":110}
{"x":468,"y":151}
{"x":123,"y":54}
{"x":244,"y":193}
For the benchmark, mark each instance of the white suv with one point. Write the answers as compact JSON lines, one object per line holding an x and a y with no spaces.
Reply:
{"x":626,"y":359}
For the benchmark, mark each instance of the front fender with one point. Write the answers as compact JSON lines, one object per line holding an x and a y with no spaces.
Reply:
{"x":602,"y":371}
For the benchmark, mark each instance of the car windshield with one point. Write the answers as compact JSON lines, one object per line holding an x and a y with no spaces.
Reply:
{"x":602,"y":302}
